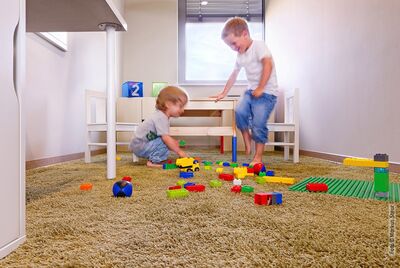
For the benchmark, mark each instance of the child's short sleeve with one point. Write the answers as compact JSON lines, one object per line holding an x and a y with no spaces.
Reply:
{"x":262,"y":51}
{"x":161,"y":123}
{"x":237,"y":65}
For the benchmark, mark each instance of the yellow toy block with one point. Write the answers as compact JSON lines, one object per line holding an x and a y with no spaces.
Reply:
{"x":289,"y":181}
{"x":208,"y":167}
{"x":250,"y":174}
{"x":219,"y":170}
{"x":240,"y":176}
{"x":364,"y":162}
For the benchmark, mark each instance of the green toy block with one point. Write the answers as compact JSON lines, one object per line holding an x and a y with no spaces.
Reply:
{"x":234,"y":164}
{"x":381,"y":182}
{"x":261,"y":180}
{"x":218,"y":162}
{"x":208,"y":167}
{"x":180,"y":182}
{"x":182,"y":143}
{"x":215,"y":183}
{"x":170,"y":166}
{"x":207,"y":163}
{"x":178,"y":193}
{"x":262,"y":174}
{"x":247,"y":189}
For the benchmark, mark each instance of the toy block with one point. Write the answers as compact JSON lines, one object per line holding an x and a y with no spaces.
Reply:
{"x":169,"y":161}
{"x":381,"y":182}
{"x":259,"y":167}
{"x":226,"y":164}
{"x":381,"y":170}
{"x":127,"y":178}
{"x":188,"y":164}
{"x":189,"y":184}
{"x":218,"y":162}
{"x":238,"y":170}
{"x":250,"y":174}
{"x":175,"y":187}
{"x":364,"y":162}
{"x":289,"y":181}
{"x":207,"y":163}
{"x":262,"y":198}
{"x":262,"y":174}
{"x":270,"y":173}
{"x":245,"y":164}
{"x":169,"y":166}
{"x":236,"y":189}
{"x":261,"y":180}
{"x":247,"y":189}
{"x":381,"y":157}
{"x":276,"y":198}
{"x":182,"y":143}
{"x":241,"y":176}
{"x":118,"y":158}
{"x":185,"y":175}
{"x":208,"y":167}
{"x":219,"y":170}
{"x":178,"y":193}
{"x":317,"y":187}
{"x":195,"y":188}
{"x":225,"y":177}
{"x":215,"y":183}
{"x":234,"y":165}
{"x":250,"y":170}
{"x":86,"y":186}
{"x":181,"y":182}
{"x":237,"y":182}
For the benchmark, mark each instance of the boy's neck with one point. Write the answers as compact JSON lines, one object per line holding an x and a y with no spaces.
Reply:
{"x":249,"y":42}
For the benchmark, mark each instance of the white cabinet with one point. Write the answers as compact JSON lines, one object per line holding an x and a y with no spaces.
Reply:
{"x":12,"y":165}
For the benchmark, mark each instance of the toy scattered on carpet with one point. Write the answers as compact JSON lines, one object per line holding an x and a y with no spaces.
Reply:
{"x":188,"y":164}
{"x":122,"y":188}
{"x":316,"y":187}
{"x":271,"y":198}
{"x":86,"y":186}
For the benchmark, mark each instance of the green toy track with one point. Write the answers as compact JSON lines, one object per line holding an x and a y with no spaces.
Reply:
{"x":350,"y":188}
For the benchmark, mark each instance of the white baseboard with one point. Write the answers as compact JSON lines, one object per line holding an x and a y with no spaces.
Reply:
{"x":10,"y":247}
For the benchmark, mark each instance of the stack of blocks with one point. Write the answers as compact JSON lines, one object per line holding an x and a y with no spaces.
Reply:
{"x":271,"y":198}
{"x":381,"y":177}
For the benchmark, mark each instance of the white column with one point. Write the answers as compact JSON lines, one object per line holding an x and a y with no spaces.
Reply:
{"x":111,"y":141}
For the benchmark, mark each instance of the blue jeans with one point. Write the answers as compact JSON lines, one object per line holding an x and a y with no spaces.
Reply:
{"x":253,"y":113}
{"x":156,"y":151}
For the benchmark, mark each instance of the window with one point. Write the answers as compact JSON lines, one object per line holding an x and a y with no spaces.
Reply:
{"x":203,"y":57}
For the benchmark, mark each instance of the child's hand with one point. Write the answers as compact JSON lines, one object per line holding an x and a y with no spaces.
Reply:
{"x":219,"y":97}
{"x":258,"y":92}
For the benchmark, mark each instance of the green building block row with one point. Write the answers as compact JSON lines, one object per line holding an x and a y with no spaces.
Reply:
{"x":247,"y":189}
{"x":234,"y":164}
{"x":170,"y":166}
{"x":178,"y":193}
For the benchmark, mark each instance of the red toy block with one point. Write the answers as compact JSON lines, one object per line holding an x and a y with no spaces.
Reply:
{"x":169,"y":161}
{"x":225,"y":177}
{"x":250,"y":170}
{"x":317,"y":187}
{"x":175,"y":187}
{"x":262,"y":198}
{"x":196,"y":188}
{"x":236,"y":189}
{"x":127,"y":178}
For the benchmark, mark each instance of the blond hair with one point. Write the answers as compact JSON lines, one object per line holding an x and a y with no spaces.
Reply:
{"x":172,"y":94}
{"x":235,"y":26}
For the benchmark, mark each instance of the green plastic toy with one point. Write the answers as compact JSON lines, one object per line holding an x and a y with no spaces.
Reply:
{"x":215,"y":183}
{"x":247,"y":189}
{"x":261,"y":180}
{"x":177,"y":193}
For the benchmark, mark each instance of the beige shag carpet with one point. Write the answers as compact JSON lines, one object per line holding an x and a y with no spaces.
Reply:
{"x":67,"y":227}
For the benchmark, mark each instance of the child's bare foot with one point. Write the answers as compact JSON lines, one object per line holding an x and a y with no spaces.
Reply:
{"x":153,"y":165}
{"x":255,"y":161}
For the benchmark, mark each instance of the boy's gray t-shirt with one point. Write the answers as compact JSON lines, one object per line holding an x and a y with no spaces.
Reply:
{"x":152,"y":128}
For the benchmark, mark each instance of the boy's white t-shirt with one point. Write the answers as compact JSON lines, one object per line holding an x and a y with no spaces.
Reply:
{"x":251,"y":62}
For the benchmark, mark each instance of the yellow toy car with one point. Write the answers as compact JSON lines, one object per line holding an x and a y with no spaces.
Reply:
{"x":188,"y":164}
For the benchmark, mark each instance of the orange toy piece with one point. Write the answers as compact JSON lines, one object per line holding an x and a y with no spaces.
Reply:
{"x":86,"y":186}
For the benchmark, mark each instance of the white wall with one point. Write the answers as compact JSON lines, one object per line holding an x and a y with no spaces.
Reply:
{"x":345,"y":58}
{"x":55,"y":91}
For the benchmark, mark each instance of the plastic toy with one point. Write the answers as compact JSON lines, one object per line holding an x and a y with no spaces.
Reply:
{"x":236,"y":189}
{"x":219,"y":170}
{"x":118,"y":158}
{"x":175,"y":187}
{"x":237,"y":182}
{"x":182,"y":143}
{"x":127,"y":178}
{"x":261,"y":180}
{"x":270,"y":173}
{"x":207,"y":163}
{"x":218,"y":162}
{"x":195,"y":188}
{"x":262,"y":174}
{"x":86,"y":186}
{"x":225,"y":177}
{"x":185,"y":175}
{"x":189,"y":184}
{"x":247,"y":189}
{"x":178,"y":193}
{"x":317,"y":187}
{"x":271,"y":198}
{"x":180,"y":182}
{"x":169,"y":166}
{"x":188,"y":164}
{"x":122,"y":189}
{"x":226,"y":164}
{"x":245,"y":164}
{"x":259,"y":167}
{"x":169,"y":161}
{"x":215,"y":183}
{"x":250,"y":170}
{"x":234,"y":165}
{"x":288,"y":181}
{"x":208,"y":167}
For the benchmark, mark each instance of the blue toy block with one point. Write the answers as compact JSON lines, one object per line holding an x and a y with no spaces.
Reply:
{"x":278,"y":197}
{"x":381,"y":170}
{"x":245,"y":164}
{"x":189,"y":184}
{"x":132,"y":89}
{"x":185,"y":175}
{"x":270,"y":173}
{"x":226,"y":164}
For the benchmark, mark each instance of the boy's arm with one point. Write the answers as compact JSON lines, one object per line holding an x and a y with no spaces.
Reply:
{"x":228,"y":85}
{"x":266,"y":73}
{"x":173,"y":145}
